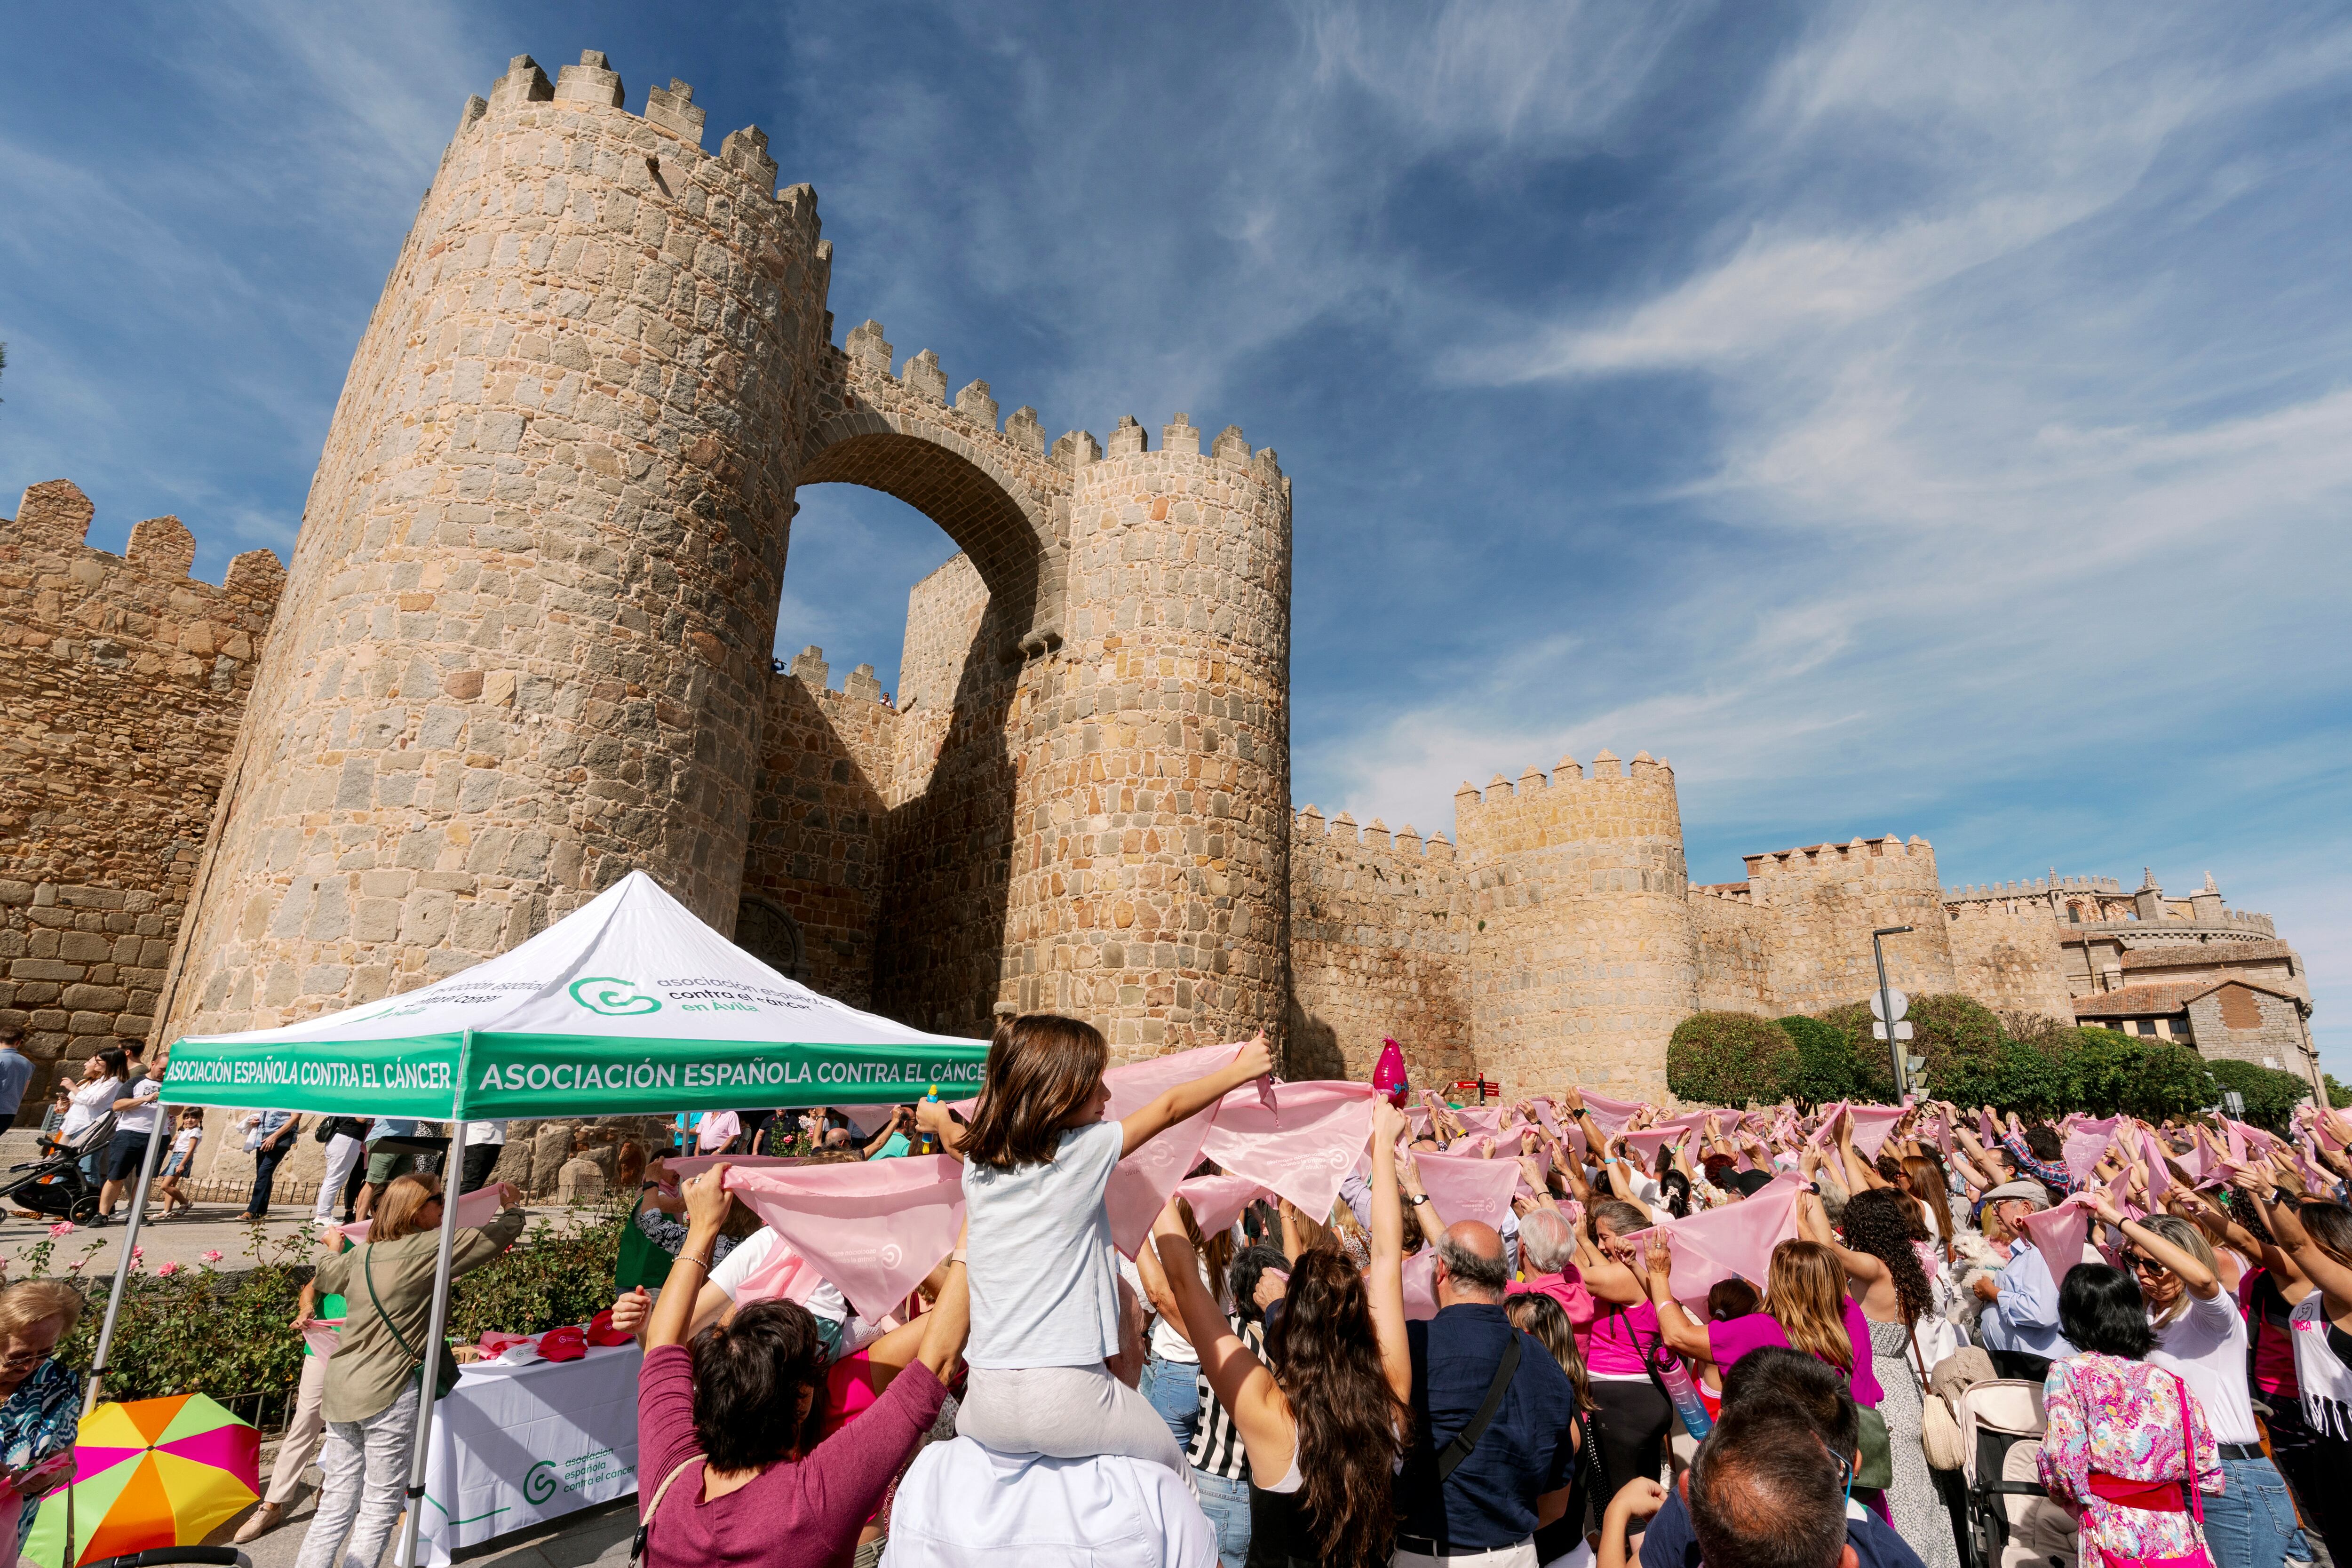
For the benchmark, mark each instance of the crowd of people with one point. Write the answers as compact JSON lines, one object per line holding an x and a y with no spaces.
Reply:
{"x":1569,"y":1377}
{"x":1385,"y":1383}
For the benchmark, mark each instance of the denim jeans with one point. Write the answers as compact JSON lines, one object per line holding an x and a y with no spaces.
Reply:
{"x":2251,"y":1523}
{"x":1173,"y":1391}
{"x":1227,"y":1504}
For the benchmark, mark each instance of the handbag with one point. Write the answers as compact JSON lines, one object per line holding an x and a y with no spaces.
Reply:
{"x":1939,"y":1431}
{"x":1877,"y":1471}
{"x":444,"y":1372}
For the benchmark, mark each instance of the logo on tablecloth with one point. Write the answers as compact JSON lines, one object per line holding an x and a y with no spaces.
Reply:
{"x":539,"y":1482}
{"x":613,"y":997}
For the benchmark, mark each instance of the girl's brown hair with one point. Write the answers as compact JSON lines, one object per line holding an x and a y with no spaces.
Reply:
{"x":1927,"y":1186}
{"x":1215,"y":1253}
{"x":404,"y":1201}
{"x":1539,"y":1315}
{"x":1805,"y":1294}
{"x":1352,"y":1426}
{"x":1041,"y":1069}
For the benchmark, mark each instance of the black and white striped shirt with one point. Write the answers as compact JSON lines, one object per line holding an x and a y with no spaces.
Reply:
{"x":1216,"y":1446}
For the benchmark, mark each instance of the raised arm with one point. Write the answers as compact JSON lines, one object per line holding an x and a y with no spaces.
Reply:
{"x":1241,"y":1382}
{"x":1684,"y":1334}
{"x":1863,"y":1267}
{"x":2321,"y":1267}
{"x":707,"y":1202}
{"x":2202,"y":1282}
{"x":1385,"y":1280}
{"x":1188,"y":1100}
{"x":948,"y":1322}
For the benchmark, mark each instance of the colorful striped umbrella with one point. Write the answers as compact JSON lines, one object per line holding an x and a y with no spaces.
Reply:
{"x":154,"y":1472}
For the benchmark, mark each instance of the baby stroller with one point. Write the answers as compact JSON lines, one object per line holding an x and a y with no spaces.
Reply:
{"x":54,"y":1183}
{"x":2013,"y":1524}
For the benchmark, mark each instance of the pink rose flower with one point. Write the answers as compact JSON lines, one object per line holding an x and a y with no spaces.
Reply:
{"x":167,"y":1270}
{"x":63,"y":1227}
{"x":211,"y":1258}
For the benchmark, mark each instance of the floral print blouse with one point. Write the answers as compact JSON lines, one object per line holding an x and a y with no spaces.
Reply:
{"x":40,"y":1418}
{"x":2122,"y":1418}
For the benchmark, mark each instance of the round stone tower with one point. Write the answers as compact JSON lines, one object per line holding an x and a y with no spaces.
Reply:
{"x":1151,"y":833}
{"x":1584,"y":954}
{"x":529,"y":616}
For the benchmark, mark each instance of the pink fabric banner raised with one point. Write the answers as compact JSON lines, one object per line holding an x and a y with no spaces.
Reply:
{"x":1734,"y":1241}
{"x":874,"y":1229}
{"x":1465,"y":1187}
{"x":1610,"y":1115}
{"x":1303,"y":1147}
{"x":1218,"y":1201}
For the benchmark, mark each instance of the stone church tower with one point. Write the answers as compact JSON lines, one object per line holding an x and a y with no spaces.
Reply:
{"x":524,"y":644}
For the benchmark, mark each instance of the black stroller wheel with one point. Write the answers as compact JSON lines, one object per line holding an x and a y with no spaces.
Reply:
{"x":84,"y":1210}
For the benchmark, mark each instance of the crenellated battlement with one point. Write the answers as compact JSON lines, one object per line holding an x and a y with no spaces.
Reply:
{"x":1308,"y":827}
{"x":808,"y":666}
{"x":2032,"y":888}
{"x":592,"y":83}
{"x":46,"y":548}
{"x":1838,"y":858}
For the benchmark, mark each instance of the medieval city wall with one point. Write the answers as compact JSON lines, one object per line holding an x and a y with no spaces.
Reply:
{"x":1379,"y":947}
{"x":122,"y":679}
{"x":534,"y":594}
{"x":1735,"y":973}
{"x":814,"y":855}
{"x":1820,"y":905}
{"x":1583,"y":955}
{"x":2009,"y":950}
{"x":1150,"y":860}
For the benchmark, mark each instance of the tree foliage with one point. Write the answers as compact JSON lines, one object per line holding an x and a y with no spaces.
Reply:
{"x":2271,"y":1095}
{"x":1826,"y":1068}
{"x":1729,"y":1058}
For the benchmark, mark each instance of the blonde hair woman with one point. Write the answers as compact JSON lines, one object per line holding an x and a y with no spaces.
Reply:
{"x":370,"y":1403}
{"x":1805,"y":1307}
{"x":40,"y":1397}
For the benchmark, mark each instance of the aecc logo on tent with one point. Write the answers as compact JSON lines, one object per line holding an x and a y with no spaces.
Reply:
{"x":613,"y":997}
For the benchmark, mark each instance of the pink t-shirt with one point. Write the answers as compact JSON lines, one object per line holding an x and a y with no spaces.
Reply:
{"x":1621,"y":1340}
{"x":1726,"y":1342}
{"x":1567,"y":1287}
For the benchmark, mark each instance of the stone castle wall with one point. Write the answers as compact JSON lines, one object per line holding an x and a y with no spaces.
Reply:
{"x":525,"y":644}
{"x":1379,"y":947}
{"x":1583,"y":943}
{"x":1820,"y":904}
{"x":2011,"y":958}
{"x":122,"y":679}
{"x":817,"y":820}
{"x":1150,"y":859}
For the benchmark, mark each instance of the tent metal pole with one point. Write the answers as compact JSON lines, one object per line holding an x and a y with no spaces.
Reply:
{"x":123,"y":1265}
{"x":436,"y":1327}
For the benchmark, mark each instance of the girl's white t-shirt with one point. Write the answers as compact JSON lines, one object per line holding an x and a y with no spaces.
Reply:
{"x":185,"y":1139}
{"x":1044,"y":1288}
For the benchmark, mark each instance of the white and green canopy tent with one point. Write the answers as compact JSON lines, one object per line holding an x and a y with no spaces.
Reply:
{"x":628,"y":1005}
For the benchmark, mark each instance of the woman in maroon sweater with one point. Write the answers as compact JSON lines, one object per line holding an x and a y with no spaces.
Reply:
{"x":736,"y":1418}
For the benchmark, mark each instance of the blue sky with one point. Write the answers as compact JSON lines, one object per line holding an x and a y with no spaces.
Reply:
{"x":1903,"y":419}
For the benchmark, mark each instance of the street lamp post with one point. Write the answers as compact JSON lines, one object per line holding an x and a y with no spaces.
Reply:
{"x":1887,"y":1006}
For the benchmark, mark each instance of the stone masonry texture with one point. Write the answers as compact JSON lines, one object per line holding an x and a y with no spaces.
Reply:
{"x":524,"y":646}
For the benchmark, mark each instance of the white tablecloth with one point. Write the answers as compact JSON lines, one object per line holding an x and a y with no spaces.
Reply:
{"x":516,"y":1446}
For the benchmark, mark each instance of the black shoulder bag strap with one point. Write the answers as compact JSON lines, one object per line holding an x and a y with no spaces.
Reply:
{"x":1450,"y":1457}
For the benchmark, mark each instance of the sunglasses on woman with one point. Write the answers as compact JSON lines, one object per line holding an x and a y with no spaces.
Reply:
{"x":2141,"y":1262}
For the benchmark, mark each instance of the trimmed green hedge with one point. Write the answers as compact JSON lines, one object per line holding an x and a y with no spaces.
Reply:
{"x":1729,"y":1058}
{"x":2034,"y":1065}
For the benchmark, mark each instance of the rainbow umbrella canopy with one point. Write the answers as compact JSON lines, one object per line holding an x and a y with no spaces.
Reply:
{"x":154,"y":1472}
